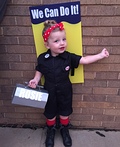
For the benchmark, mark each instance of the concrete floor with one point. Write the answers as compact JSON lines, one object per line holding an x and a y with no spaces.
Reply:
{"x":20,"y":137}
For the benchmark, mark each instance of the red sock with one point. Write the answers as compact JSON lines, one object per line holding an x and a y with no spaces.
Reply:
{"x":50,"y":122}
{"x":64,"y":122}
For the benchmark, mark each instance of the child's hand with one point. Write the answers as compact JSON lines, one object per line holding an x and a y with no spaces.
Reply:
{"x":32,"y":83}
{"x":104,"y":53}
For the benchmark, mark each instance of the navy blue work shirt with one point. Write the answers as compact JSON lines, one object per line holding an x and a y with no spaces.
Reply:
{"x":56,"y":69}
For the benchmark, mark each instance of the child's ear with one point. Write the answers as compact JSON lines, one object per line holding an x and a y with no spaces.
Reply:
{"x":46,"y":45}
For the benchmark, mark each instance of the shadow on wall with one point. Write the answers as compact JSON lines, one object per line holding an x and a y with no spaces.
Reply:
{"x":3,"y":5}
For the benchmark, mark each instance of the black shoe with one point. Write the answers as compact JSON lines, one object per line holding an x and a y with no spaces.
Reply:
{"x":67,"y":141}
{"x":50,"y":136}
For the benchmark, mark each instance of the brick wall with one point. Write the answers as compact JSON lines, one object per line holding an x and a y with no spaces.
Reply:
{"x":96,"y":102}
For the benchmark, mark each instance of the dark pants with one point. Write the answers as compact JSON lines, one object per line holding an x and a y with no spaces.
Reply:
{"x":59,"y":100}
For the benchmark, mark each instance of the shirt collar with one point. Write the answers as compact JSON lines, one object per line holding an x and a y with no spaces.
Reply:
{"x":62,"y":55}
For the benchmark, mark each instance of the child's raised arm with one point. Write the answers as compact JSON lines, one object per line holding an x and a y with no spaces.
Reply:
{"x":93,"y":58}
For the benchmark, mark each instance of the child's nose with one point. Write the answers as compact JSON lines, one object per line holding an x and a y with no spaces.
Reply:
{"x":61,"y":42}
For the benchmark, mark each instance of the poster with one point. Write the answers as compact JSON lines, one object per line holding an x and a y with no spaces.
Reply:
{"x":67,"y":13}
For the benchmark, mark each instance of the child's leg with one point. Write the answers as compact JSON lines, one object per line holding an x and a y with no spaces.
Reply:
{"x":51,"y":128}
{"x":51,"y":122}
{"x":64,"y":121}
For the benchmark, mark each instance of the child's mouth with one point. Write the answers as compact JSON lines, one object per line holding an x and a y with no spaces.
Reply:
{"x":62,"y":48}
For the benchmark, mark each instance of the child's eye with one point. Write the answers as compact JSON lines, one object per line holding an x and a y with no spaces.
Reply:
{"x":64,"y":39}
{"x":56,"y":40}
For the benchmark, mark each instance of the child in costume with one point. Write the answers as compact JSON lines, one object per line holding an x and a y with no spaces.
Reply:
{"x":55,"y":65}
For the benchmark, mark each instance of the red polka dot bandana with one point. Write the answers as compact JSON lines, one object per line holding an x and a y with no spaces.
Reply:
{"x":49,"y":30}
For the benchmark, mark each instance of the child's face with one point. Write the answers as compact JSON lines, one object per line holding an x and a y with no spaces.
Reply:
{"x":57,"y":42}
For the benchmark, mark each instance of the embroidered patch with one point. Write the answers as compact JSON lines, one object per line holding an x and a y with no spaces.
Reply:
{"x":67,"y":68}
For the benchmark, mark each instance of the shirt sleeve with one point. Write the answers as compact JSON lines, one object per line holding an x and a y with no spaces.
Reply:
{"x":75,"y":60}
{"x":39,"y":60}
